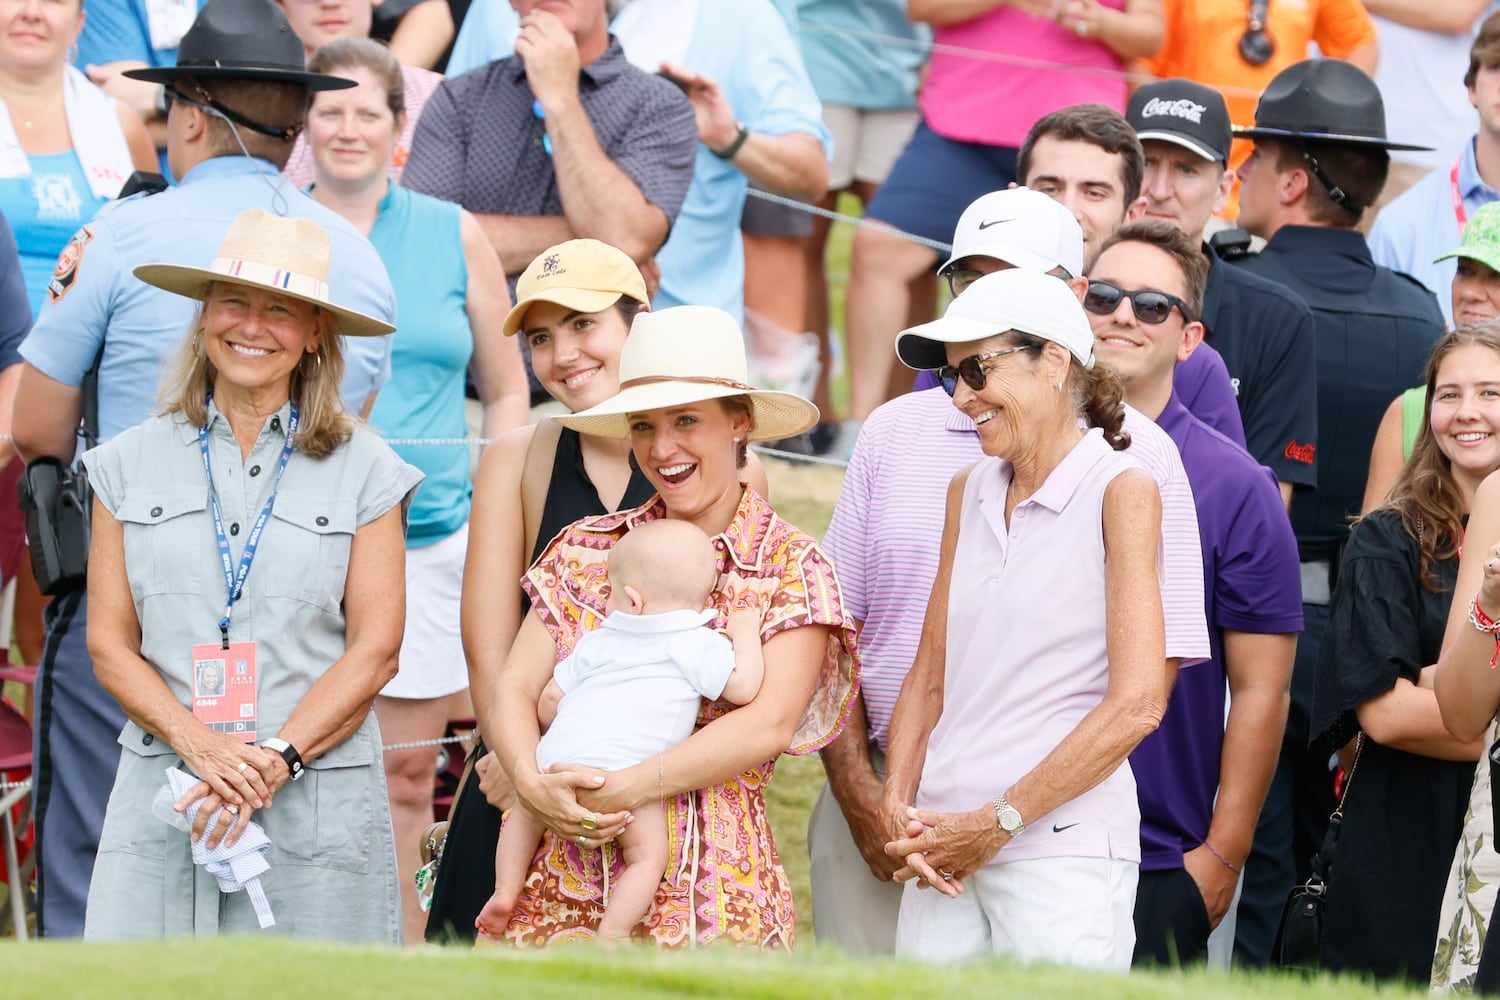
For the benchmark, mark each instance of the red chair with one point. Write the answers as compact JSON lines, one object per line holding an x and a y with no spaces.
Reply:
{"x":17,"y":863}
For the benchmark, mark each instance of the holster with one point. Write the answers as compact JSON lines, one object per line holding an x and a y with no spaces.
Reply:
{"x":57,"y":504}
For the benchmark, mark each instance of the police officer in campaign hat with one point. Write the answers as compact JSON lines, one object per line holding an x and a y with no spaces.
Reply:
{"x":1320,"y":160}
{"x":236,"y":98}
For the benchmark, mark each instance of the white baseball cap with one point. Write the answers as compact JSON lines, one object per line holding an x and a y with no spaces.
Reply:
{"x":1022,"y":227}
{"x":1031,"y":302}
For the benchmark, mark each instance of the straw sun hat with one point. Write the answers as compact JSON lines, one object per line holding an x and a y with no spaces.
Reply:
{"x":261,"y":250}
{"x":688,"y":354}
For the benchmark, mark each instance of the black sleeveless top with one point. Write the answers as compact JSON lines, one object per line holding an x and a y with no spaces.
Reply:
{"x":571,"y":495}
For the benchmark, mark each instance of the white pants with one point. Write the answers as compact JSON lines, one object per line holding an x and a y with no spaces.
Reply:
{"x":1070,"y":911}
{"x":851,"y":907}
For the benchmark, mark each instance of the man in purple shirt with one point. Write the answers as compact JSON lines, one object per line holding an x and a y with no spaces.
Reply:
{"x":884,"y":541}
{"x":1201,"y":782}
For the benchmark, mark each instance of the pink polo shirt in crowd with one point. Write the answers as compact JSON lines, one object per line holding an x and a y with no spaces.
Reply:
{"x":888,"y":523}
{"x":1045,"y":67}
{"x":1027,"y":656}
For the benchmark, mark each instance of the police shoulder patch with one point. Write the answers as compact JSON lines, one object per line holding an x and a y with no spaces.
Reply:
{"x":68,"y":263}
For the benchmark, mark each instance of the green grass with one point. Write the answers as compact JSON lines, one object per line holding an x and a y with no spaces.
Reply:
{"x":281,"y":969}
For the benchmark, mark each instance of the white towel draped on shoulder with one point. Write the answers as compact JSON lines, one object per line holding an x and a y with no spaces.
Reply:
{"x":98,"y":139}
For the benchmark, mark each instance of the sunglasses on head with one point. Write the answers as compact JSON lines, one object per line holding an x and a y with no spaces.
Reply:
{"x":1150,"y":306}
{"x":971,"y":370}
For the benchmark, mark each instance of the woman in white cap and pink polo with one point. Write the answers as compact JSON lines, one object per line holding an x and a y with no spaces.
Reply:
{"x":688,"y":414}
{"x":1041,"y":662}
{"x":255,"y":525}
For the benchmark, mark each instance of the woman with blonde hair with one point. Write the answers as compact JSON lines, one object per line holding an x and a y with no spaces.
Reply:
{"x":300,"y":603}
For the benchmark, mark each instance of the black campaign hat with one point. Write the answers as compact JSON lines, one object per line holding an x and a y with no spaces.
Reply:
{"x":241,"y":40}
{"x":1323,"y":100}
{"x":1183,"y":113}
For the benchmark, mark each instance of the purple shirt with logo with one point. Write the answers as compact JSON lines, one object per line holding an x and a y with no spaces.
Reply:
{"x":1252,"y":583}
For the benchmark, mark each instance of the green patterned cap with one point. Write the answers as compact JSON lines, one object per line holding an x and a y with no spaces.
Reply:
{"x":1481,"y":238}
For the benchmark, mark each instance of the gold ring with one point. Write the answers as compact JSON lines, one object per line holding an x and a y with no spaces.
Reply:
{"x":947,"y":875}
{"x":243,"y":767}
{"x":590,"y":821}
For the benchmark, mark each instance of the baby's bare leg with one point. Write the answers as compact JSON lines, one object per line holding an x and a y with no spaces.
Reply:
{"x":644,"y":844}
{"x":518,"y":839}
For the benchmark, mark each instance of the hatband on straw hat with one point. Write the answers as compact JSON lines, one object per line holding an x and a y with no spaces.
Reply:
{"x":287,"y":255}
{"x":586,"y":276}
{"x":688,"y":354}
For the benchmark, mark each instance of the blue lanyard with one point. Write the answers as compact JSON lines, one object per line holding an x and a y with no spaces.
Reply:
{"x":235,"y":580}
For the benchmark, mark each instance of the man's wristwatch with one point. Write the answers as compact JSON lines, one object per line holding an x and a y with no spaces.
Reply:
{"x":294,"y":759}
{"x":742,"y":132}
{"x":1008,"y":817}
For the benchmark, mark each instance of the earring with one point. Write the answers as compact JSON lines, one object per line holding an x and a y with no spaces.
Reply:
{"x":1059,"y":388}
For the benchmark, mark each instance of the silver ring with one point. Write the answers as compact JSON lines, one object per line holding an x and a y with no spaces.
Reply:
{"x":590,"y":821}
{"x":582,"y":840}
{"x":232,"y":810}
{"x":243,"y":767}
{"x":947,"y":875}
{"x":1082,"y":27}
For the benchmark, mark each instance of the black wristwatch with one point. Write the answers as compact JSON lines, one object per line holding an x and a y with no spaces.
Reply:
{"x":288,"y":753}
{"x":741,"y":134}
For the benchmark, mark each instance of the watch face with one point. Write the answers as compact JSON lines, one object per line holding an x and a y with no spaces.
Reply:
{"x":1010,"y":819}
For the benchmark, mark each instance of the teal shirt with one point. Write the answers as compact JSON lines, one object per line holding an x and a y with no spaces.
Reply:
{"x":419,"y":239}
{"x":864,"y":54}
{"x":44,"y":211}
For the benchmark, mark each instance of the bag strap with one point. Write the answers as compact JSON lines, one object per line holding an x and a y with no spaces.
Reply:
{"x":1322,"y":862}
{"x":536,"y":476}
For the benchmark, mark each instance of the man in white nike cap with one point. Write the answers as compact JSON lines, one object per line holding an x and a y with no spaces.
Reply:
{"x":884,"y":538}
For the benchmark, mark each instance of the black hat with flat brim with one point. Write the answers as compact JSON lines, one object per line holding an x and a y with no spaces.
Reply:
{"x":1323,"y":100}
{"x":241,"y":40}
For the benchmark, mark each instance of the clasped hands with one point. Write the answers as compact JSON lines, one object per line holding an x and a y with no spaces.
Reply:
{"x":239,"y":776}
{"x":942,"y":848}
{"x":578,"y":803}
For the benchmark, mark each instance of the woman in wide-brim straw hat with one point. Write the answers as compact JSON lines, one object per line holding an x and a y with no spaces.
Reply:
{"x":687,"y":411}
{"x":574,"y":306}
{"x":253,"y":522}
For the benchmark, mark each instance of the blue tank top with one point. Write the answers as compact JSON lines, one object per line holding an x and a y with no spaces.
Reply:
{"x":45,"y":210}
{"x":419,"y":239}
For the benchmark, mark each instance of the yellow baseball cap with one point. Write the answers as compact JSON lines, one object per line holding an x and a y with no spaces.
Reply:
{"x":583,"y":275}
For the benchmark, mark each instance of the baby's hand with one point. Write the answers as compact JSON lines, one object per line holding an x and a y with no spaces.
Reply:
{"x":743,"y":626}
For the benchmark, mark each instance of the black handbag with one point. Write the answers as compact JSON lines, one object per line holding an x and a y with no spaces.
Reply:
{"x":1299,"y":934}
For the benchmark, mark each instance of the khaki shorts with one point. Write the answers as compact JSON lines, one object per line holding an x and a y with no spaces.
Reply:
{"x":865,"y":143}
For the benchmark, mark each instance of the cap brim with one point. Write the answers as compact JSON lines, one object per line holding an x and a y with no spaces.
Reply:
{"x":193,"y":282}
{"x":1264,"y":132}
{"x":583,"y":300}
{"x":264,"y":74}
{"x":1186,"y":142}
{"x":924,"y":347}
{"x":1489,"y":258}
{"x":1008,"y":252}
{"x":777,"y":414}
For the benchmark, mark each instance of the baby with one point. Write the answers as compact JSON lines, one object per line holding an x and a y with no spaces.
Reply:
{"x":629,"y":690}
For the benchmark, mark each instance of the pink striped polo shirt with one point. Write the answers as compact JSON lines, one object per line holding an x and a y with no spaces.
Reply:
{"x":888,"y":524}
{"x":1027,"y":654}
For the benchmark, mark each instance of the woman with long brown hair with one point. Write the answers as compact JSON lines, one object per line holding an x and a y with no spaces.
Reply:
{"x":1409,"y":786}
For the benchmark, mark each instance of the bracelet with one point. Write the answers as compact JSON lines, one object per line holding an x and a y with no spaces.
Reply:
{"x":1223,"y":860}
{"x":727,"y":153}
{"x":1484,"y":623}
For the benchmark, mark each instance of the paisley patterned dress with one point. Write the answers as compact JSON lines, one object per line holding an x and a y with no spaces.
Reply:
{"x":724,"y":879}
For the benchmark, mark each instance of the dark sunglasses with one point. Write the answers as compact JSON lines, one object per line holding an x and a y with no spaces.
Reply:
{"x":541,"y":116}
{"x":971,"y":370}
{"x":1151,"y":306}
{"x":1257,"y":47}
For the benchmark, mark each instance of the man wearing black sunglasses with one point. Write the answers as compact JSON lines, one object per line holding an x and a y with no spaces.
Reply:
{"x":1263,"y":330}
{"x":1320,"y":160}
{"x":1200,"y":779}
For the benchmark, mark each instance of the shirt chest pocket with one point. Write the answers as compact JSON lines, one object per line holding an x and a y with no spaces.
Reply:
{"x":165,"y":534}
{"x":305,"y":548}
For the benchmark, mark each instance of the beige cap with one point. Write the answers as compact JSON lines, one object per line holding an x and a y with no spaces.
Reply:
{"x":586,"y":276}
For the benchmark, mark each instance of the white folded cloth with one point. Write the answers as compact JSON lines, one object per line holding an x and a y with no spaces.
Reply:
{"x":237,"y":867}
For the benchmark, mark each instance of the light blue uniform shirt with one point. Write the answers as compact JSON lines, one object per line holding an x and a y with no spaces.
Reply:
{"x":1421,"y":224}
{"x":99,"y":300}
{"x":747,"y":49}
{"x":420,"y":238}
{"x":850,"y":68}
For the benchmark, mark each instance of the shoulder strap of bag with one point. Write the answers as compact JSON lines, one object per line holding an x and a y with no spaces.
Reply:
{"x":536,"y":476}
{"x":1322,"y":862}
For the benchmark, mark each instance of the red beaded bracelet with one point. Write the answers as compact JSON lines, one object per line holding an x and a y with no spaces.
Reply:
{"x":1485,"y":623}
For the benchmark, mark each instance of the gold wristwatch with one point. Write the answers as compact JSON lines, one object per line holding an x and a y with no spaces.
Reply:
{"x":1008,"y":817}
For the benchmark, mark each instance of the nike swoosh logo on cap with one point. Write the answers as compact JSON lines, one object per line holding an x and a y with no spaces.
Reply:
{"x":985,"y":225}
